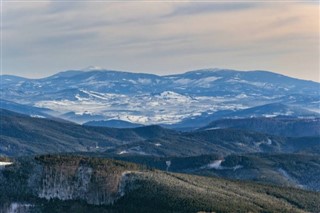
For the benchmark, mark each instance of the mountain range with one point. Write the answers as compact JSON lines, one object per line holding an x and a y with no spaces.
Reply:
{"x":196,"y":97}
{"x":281,"y":151}
{"x":210,"y":140}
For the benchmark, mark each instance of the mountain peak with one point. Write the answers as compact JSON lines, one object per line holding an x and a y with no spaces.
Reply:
{"x":91,"y":68}
{"x":208,"y":70}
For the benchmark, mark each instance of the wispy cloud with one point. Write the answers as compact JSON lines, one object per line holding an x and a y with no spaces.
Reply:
{"x":211,"y":7}
{"x":161,"y":37}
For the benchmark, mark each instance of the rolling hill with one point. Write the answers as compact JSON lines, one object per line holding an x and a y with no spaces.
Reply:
{"x":282,"y":126}
{"x":24,"y":135}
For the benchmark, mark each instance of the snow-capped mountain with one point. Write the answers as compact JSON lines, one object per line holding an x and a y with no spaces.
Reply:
{"x":98,"y":94}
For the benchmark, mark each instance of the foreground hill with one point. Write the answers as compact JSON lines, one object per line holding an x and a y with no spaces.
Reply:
{"x":75,"y":183}
{"x":24,"y":135}
{"x":300,"y":170}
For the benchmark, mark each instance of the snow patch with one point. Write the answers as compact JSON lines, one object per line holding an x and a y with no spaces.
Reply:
{"x":134,"y":150}
{"x":37,"y":116}
{"x":144,"y":81}
{"x":91,"y":68}
{"x":2,"y":163}
{"x":213,"y":128}
{"x":18,"y":208}
{"x":257,"y":84}
{"x":123,"y":152}
{"x":183,"y":81}
{"x":289,"y":178}
{"x":217,"y":165}
{"x":168,"y":164}
{"x":242,"y":95}
{"x":269,"y":141}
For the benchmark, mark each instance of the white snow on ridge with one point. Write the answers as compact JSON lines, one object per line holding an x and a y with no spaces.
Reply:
{"x":144,"y":81}
{"x":37,"y":116}
{"x":203,"y":82}
{"x":268,"y":142}
{"x":242,"y":95}
{"x":134,"y":118}
{"x":289,"y":177}
{"x":133,"y":150}
{"x":217,"y":165}
{"x":183,"y":81}
{"x":2,"y":163}
{"x":123,"y":152}
{"x":18,"y":207}
{"x":213,"y":128}
{"x":167,"y":95}
{"x":257,"y":84}
{"x":90,"y":68}
{"x":166,"y":107}
{"x":206,"y":82}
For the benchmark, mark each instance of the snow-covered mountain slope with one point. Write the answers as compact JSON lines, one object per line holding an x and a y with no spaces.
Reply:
{"x":83,"y":96}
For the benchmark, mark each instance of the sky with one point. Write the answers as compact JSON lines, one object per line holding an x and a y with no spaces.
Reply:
{"x":43,"y":37}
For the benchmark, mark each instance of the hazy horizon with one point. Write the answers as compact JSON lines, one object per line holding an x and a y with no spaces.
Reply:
{"x":45,"y":37}
{"x":89,"y":69}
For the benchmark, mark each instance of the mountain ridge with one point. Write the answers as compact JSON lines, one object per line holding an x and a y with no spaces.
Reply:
{"x":202,"y":70}
{"x":24,"y":135}
{"x":83,"y":96}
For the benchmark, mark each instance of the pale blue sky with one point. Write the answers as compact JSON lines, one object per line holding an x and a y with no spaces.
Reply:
{"x":41,"y":38}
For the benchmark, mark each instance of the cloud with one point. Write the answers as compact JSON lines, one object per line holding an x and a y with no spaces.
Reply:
{"x":160,"y":37}
{"x":213,"y":7}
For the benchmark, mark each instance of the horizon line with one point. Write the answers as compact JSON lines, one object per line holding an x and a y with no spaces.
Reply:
{"x":97,"y":68}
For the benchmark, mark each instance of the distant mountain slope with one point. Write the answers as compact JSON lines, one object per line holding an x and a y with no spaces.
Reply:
{"x":299,"y":170}
{"x":213,"y":79}
{"x":273,"y":110}
{"x":25,"y":109}
{"x":220,"y":141}
{"x":11,"y":80}
{"x":146,"y":99}
{"x":293,"y":127}
{"x":112,"y":124}
{"x":76,"y":182}
{"x":23,"y":135}
{"x":224,"y":81}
